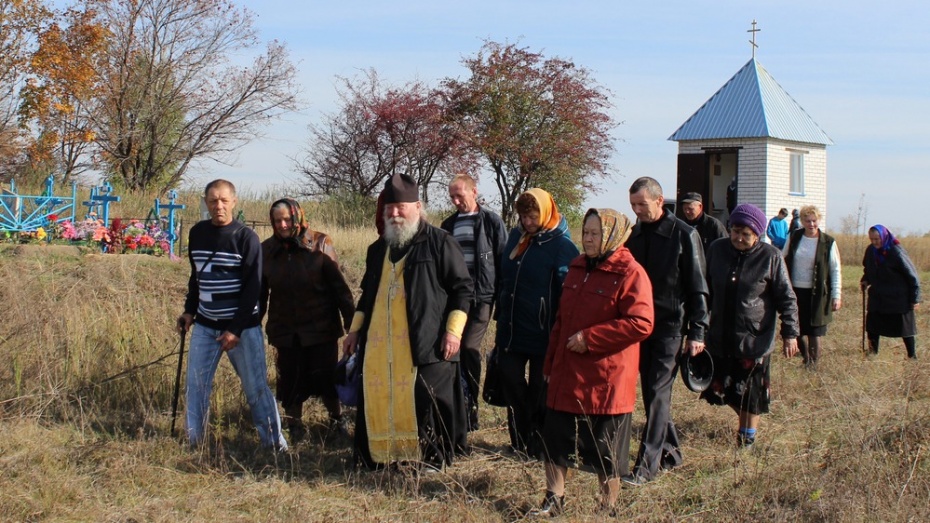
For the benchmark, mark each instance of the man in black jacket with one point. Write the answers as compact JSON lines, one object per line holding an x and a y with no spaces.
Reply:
{"x":710,"y":228}
{"x":482,"y":236}
{"x":670,"y":251}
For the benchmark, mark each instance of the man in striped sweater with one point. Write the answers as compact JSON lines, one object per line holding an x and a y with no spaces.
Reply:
{"x":222,"y":306}
{"x":482,"y":235}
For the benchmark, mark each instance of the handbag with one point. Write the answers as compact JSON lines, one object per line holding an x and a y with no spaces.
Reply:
{"x":492,"y":393}
{"x":348,"y":380}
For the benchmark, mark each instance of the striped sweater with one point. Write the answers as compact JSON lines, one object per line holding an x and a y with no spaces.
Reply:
{"x":225,"y":280}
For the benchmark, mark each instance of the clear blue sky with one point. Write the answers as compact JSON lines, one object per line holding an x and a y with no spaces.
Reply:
{"x":860,"y":69}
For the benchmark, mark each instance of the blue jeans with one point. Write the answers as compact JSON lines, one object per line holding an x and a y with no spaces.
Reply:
{"x":248,"y":360}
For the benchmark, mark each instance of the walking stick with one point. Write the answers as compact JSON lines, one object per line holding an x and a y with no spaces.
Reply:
{"x":865,"y":347}
{"x":177,"y":383}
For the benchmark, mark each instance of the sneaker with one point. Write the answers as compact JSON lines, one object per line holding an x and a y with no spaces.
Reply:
{"x":746,"y":442}
{"x":429,"y":469}
{"x":634,"y":480}
{"x":552,"y":506}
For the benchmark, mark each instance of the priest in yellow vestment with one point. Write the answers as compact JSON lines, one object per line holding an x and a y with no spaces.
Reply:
{"x":416,"y":293}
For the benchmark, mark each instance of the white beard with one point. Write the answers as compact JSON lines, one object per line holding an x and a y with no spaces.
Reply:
{"x":398,"y":232}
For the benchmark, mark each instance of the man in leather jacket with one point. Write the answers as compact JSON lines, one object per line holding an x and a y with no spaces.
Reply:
{"x":670,"y":250}
{"x":710,"y":228}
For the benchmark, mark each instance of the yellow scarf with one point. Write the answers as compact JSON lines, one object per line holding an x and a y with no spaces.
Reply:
{"x":549,"y":219}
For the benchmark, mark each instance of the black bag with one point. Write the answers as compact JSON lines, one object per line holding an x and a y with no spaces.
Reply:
{"x":492,"y":392}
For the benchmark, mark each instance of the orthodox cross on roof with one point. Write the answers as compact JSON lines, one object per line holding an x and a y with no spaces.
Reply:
{"x":753,"y":41}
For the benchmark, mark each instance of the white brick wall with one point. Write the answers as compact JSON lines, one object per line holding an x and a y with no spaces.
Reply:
{"x":764,"y":171}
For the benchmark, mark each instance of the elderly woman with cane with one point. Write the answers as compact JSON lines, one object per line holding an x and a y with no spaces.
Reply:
{"x":749,"y":286}
{"x":893,"y":289}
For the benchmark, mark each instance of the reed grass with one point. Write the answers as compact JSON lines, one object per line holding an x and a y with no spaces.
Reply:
{"x":89,"y":356}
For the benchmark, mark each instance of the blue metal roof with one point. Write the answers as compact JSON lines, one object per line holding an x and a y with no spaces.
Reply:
{"x":751,"y":105}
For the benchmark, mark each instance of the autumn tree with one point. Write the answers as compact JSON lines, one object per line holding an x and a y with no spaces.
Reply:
{"x":171,"y":92}
{"x":382,"y":130}
{"x":20,"y":21}
{"x":537,"y":122}
{"x":60,"y":92}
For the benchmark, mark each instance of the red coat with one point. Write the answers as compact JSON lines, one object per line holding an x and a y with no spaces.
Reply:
{"x":613,"y":307}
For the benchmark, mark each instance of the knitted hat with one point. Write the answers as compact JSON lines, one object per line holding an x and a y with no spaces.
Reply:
{"x":748,"y":215}
{"x":401,"y":188}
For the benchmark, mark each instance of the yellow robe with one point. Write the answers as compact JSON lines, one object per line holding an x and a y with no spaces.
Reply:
{"x":389,"y":374}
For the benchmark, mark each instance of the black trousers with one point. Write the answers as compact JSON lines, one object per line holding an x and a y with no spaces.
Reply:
{"x":658,"y":365}
{"x":470,"y":355}
{"x":525,"y":395}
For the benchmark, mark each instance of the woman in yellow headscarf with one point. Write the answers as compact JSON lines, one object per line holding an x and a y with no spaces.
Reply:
{"x":535,"y":262}
{"x":592,"y":362}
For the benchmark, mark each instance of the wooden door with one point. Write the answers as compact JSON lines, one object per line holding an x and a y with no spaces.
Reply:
{"x":692,"y":177}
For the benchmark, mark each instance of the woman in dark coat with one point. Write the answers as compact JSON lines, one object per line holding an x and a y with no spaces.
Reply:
{"x":308,"y":304}
{"x":894,"y":291}
{"x":593,"y":360}
{"x":749,"y":287}
{"x":535,"y":262}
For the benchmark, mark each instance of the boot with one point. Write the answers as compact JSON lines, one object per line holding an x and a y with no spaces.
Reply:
{"x":910,"y":344}
{"x":804,"y":349}
{"x":815,"y":344}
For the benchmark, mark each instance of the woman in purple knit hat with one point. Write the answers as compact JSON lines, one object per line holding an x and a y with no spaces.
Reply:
{"x":749,"y":286}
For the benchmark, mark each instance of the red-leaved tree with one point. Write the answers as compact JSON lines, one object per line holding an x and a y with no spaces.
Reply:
{"x":382,"y":130}
{"x":537,"y":122}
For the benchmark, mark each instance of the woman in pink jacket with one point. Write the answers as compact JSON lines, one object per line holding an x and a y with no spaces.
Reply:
{"x":592,"y":361}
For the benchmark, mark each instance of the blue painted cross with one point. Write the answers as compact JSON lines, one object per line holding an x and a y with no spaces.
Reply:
{"x":170,"y":207}
{"x":100,"y":197}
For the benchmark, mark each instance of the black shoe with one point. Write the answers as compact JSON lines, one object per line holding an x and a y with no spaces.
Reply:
{"x":670,"y":461}
{"x":296,"y":431}
{"x":338,"y":427}
{"x":746,"y":442}
{"x":634,"y":480}
{"x":607,"y":511}
{"x":473,"y":419}
{"x":552,"y":506}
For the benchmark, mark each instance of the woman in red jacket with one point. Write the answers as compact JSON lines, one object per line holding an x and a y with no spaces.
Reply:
{"x":592,"y":361}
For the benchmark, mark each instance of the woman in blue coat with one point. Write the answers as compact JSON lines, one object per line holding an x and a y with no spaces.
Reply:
{"x":535,"y":262}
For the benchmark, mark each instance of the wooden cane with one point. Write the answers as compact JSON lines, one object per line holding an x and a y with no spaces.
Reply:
{"x":865,"y":347}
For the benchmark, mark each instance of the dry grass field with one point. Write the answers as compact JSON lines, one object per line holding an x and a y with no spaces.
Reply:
{"x":88,"y":363}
